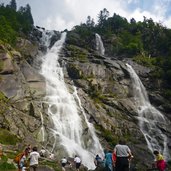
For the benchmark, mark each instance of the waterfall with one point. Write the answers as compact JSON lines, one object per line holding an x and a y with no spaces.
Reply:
{"x":99,"y":45}
{"x":150,"y":119}
{"x":66,"y":112}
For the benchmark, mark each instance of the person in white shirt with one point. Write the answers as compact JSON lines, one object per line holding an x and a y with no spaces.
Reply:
{"x":43,"y":152}
{"x":63,"y":163}
{"x":77,"y":161}
{"x":34,"y":159}
{"x":123,"y":156}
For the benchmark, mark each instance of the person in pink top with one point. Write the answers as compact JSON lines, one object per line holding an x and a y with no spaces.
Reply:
{"x":159,"y":161}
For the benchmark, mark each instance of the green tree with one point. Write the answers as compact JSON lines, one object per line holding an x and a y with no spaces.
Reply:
{"x":25,"y":18}
{"x":102,"y":17}
{"x":7,"y":35}
{"x":13,"y":5}
{"x":90,"y":22}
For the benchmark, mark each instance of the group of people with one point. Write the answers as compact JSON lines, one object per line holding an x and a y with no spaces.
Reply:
{"x":117,"y":160}
{"x":77,"y":162}
{"x":29,"y":159}
{"x":120,"y":159}
{"x":31,"y":155}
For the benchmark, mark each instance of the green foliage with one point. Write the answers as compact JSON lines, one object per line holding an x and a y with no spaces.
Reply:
{"x":74,"y":72}
{"x":7,"y":35}
{"x":13,"y":5}
{"x":7,"y":138}
{"x":3,"y":103}
{"x":167,"y":93}
{"x":103,"y":15}
{"x":1,"y":65}
{"x":169,"y":165}
{"x":157,"y":73}
{"x":108,"y":135}
{"x":147,"y":42}
{"x":144,"y":60}
{"x":13,"y":22}
{"x":78,"y":53}
{"x":51,"y":164}
{"x":4,"y":166}
{"x":25,"y":18}
{"x":3,"y":98}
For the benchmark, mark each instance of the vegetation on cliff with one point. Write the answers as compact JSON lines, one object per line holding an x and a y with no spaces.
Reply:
{"x":14,"y":23}
{"x":146,"y":42}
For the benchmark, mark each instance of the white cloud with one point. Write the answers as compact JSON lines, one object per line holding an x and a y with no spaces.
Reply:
{"x":167,"y":22}
{"x":132,"y":1}
{"x":62,"y":14}
{"x":56,"y":22}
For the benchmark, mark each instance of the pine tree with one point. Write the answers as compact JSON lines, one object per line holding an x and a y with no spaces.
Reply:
{"x":13,"y":5}
{"x":102,"y":17}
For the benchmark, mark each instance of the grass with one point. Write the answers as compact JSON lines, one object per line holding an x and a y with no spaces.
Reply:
{"x":5,"y":166}
{"x":7,"y":138}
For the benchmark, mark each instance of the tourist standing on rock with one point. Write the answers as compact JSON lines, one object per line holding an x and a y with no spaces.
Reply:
{"x":108,"y":161}
{"x":63,"y":163}
{"x":43,"y":152}
{"x":98,"y":161}
{"x":23,"y":164}
{"x":34,"y":159}
{"x":123,"y":156}
{"x":77,"y":161}
{"x":160,"y":163}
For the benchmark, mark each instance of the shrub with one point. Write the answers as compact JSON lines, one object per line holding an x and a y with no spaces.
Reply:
{"x":4,"y":165}
{"x":145,"y":61}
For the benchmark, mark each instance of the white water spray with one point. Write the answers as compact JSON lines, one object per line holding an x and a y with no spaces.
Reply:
{"x":67,"y":117}
{"x":149,"y":117}
{"x":99,"y":45}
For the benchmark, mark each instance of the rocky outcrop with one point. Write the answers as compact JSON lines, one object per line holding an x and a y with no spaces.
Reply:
{"x":24,"y":87}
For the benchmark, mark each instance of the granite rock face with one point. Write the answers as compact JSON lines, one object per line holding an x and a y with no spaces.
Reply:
{"x":103,"y":85}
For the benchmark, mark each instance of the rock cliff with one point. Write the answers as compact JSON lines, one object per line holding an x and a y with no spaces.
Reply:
{"x":103,"y":84}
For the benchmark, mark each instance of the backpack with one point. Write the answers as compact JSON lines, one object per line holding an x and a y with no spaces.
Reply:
{"x":18,"y":157}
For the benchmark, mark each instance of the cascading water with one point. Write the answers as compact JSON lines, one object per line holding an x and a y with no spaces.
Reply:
{"x":66,"y":112}
{"x":99,"y":45}
{"x":149,"y":117}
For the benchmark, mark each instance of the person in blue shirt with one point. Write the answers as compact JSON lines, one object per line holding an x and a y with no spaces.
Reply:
{"x":108,"y":161}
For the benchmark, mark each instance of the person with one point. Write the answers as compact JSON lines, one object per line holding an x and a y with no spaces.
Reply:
{"x":159,"y":161}
{"x":114,"y":159}
{"x":108,"y":161}
{"x":123,"y":156}
{"x":51,"y":156}
{"x":23,"y":161}
{"x":43,"y":152}
{"x":77,"y":161}
{"x":98,"y":161}
{"x":29,"y":147}
{"x":63,"y":163}
{"x":34,"y":159}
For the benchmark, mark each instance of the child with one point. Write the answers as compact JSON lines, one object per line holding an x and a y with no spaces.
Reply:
{"x":23,"y":160}
{"x":160,"y":162}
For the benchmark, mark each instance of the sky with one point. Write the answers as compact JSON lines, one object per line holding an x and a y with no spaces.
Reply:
{"x":65,"y":14}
